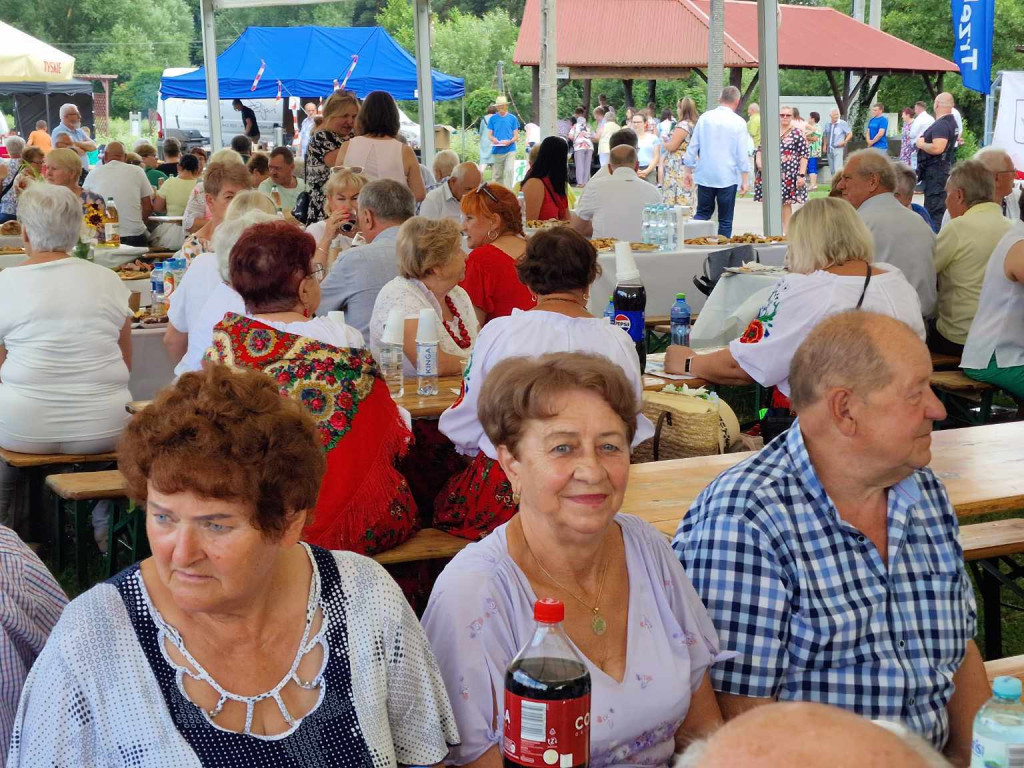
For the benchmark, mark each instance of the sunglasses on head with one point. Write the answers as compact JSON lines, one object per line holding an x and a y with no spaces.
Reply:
{"x":483,"y":188}
{"x":352,"y":168}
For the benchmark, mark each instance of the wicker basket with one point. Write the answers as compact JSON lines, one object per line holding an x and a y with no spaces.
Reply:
{"x":685,"y":426}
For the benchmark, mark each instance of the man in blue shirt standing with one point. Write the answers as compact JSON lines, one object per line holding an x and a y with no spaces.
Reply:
{"x":878,"y":127}
{"x":504,"y":130}
{"x":830,"y":561}
{"x":71,"y":124}
{"x":718,"y":151}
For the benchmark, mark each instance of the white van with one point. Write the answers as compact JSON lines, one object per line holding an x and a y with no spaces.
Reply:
{"x":192,"y":115}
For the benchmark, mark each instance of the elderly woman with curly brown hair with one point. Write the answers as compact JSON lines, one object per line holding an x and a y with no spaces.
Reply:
{"x":558,"y":267}
{"x":234,"y":643}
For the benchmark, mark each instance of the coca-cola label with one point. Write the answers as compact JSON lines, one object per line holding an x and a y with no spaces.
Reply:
{"x":547,"y":733}
{"x":632,"y":323}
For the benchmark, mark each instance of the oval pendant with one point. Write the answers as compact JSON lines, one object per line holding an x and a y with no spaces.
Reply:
{"x":599,"y":625}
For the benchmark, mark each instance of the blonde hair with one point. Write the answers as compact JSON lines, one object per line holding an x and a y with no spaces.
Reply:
{"x":225,"y":156}
{"x":219,"y":174}
{"x":827,"y":232}
{"x":132,"y":158}
{"x":337,"y":102}
{"x":342,"y":178}
{"x":249,"y":200}
{"x":65,"y":160}
{"x":424,"y":244}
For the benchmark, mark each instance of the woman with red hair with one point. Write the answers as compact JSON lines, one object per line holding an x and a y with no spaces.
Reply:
{"x":364,"y":504}
{"x":493,"y":224}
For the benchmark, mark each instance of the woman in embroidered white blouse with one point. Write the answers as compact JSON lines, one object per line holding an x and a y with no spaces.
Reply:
{"x":431,"y":264}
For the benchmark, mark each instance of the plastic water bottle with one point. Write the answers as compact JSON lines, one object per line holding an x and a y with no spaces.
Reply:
{"x":609,"y":311}
{"x":426,"y":353}
{"x":680,"y":317}
{"x":156,"y":290}
{"x":645,"y":227}
{"x":392,"y":356}
{"x":999,"y":728}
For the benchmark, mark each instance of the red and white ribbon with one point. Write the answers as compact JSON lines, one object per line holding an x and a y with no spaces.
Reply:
{"x":278,"y":98}
{"x":259,"y":74}
{"x":351,"y":69}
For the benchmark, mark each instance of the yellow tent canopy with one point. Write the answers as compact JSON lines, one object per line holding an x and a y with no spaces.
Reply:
{"x":25,"y":59}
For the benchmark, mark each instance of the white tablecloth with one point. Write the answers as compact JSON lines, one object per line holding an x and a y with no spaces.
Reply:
{"x":666,"y":273}
{"x":730,"y":308}
{"x":151,"y":368}
{"x":11,"y":259}
{"x":11,"y":241}
{"x":115,"y":257}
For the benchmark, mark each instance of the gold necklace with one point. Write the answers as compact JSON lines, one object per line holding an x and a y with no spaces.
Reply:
{"x":597,"y":624}
{"x":567,"y":299}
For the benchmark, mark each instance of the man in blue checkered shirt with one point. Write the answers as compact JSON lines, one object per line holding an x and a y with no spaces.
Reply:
{"x":830,"y":562}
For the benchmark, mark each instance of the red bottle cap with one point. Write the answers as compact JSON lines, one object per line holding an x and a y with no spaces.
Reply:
{"x":549,"y":611}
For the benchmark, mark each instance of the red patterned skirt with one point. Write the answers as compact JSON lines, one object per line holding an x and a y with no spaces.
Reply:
{"x":476,"y":501}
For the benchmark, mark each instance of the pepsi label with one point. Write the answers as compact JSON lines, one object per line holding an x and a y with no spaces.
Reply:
{"x":632,"y":323}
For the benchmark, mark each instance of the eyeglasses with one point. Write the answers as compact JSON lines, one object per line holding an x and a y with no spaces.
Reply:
{"x":783,"y":114}
{"x":483,"y":188}
{"x":318,"y":273}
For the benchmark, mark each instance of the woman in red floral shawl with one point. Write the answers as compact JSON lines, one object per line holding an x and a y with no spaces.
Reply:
{"x":364,"y":503}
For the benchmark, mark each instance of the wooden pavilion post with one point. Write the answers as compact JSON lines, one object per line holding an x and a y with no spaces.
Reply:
{"x":627,"y":86}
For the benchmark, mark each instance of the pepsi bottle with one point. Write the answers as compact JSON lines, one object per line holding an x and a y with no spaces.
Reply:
{"x":630,"y":301}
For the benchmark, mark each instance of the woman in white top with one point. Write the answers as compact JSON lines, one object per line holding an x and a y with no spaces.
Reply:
{"x":995,"y":345}
{"x":65,"y":340}
{"x":338,"y":232}
{"x":830,"y":260}
{"x":377,"y":151}
{"x":558,"y":267}
{"x":431,"y":264}
{"x":202,"y":278}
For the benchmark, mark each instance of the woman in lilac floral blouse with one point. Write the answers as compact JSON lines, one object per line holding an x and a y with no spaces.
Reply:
{"x":562,"y":424}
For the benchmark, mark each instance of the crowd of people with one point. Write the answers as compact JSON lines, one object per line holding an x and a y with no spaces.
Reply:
{"x":258,"y":633}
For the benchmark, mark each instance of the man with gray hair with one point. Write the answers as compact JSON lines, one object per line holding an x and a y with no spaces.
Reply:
{"x":130,"y":189}
{"x":357,"y":276}
{"x":1000,"y":165}
{"x":906,"y":186}
{"x":71,"y":125}
{"x":962,"y":252}
{"x":718,"y":151}
{"x":614,"y":206}
{"x":830,"y":560}
{"x":901,"y":238}
{"x":444,"y":200}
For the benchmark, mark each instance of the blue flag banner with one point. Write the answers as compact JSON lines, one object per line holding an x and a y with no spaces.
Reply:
{"x":972,"y":48}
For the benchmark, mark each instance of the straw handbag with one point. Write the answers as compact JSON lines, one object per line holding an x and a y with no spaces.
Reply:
{"x":686,"y":425}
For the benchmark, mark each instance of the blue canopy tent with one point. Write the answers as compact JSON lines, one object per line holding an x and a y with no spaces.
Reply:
{"x":308,"y":61}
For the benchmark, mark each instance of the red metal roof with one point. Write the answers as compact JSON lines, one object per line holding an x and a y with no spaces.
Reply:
{"x":674,"y":34}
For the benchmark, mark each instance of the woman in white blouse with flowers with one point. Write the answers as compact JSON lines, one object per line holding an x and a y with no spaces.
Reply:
{"x":431,"y":264}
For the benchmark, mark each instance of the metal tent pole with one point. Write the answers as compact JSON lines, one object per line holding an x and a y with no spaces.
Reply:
{"x":768,"y":75}
{"x":425,"y":86}
{"x":548,"y":64}
{"x":990,"y":108}
{"x":463,"y":124}
{"x":210,"y":64}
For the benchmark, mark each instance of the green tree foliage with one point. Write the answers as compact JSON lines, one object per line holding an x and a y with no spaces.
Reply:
{"x":137,"y":94}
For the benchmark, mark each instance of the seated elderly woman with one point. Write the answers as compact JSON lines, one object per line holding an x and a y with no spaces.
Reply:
{"x":24,"y":167}
{"x":197,"y":209}
{"x":203,"y":277}
{"x":558,"y":267}
{"x":493,"y":225}
{"x":563,"y":424}
{"x":221,"y":183}
{"x":65,"y":340}
{"x":234,"y":643}
{"x":365,"y":503}
{"x":337,"y":232}
{"x":430,"y":265}
{"x":830,"y":262}
{"x":63,"y":168}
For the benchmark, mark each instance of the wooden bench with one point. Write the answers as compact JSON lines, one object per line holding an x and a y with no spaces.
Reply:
{"x":34,"y":460}
{"x":989,"y":549}
{"x":137,"y":405}
{"x":945,"y":362}
{"x":427,"y":544}
{"x":1011,"y":666}
{"x":76,"y":494}
{"x":959,"y":393}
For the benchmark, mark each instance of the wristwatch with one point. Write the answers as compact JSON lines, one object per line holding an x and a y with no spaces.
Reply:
{"x":802,"y":175}
{"x":686,"y":366}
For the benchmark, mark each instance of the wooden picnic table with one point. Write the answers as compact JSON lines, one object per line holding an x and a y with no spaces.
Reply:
{"x":981,"y":467}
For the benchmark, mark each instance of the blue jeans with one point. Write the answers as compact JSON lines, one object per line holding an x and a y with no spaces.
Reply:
{"x":725,"y":198}
{"x":7,"y":217}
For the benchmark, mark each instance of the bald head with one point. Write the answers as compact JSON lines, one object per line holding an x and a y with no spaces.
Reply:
{"x":114,"y":151}
{"x":465,"y":178}
{"x":943,"y":104}
{"x":623,"y":156}
{"x":1000,"y":165}
{"x":810,"y":736}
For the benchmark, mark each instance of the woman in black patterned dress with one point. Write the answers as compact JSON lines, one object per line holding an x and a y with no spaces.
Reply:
{"x":339,"y":120}
{"x":795,"y":154}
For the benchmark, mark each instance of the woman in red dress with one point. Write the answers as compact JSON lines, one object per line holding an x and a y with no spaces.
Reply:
{"x":544,"y":188}
{"x":493,"y":224}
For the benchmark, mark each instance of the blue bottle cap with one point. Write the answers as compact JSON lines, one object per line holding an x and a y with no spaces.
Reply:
{"x":1007,"y":688}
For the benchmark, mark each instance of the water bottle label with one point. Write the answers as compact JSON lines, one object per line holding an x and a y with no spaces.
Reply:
{"x":426,"y":360}
{"x":547,"y":733}
{"x":632,"y":323}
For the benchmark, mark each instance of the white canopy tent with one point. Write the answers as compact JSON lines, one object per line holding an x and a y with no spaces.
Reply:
{"x":24,"y":59}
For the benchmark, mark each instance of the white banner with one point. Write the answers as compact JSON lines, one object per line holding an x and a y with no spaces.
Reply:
{"x":1009,"y":130}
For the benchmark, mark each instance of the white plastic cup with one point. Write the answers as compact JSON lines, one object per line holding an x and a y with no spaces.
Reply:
{"x":394,"y":328}
{"x":426,"y":327}
{"x":625,"y":262}
{"x":336,"y":316}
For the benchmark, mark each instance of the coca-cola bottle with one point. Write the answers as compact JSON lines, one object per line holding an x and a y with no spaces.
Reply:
{"x":547,"y":698}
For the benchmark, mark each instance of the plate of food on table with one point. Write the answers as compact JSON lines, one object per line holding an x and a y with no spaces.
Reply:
{"x":607,"y":244}
{"x":134,"y":270}
{"x":10,"y":249}
{"x":717,"y":241}
{"x":147,"y":318}
{"x":756,"y":268}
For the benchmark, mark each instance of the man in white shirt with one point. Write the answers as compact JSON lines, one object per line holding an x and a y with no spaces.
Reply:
{"x":901,"y":237}
{"x":613,"y":207}
{"x":922,"y":120}
{"x":306,"y":130}
{"x":445,"y":200}
{"x":131,"y":191}
{"x":718,"y":150}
